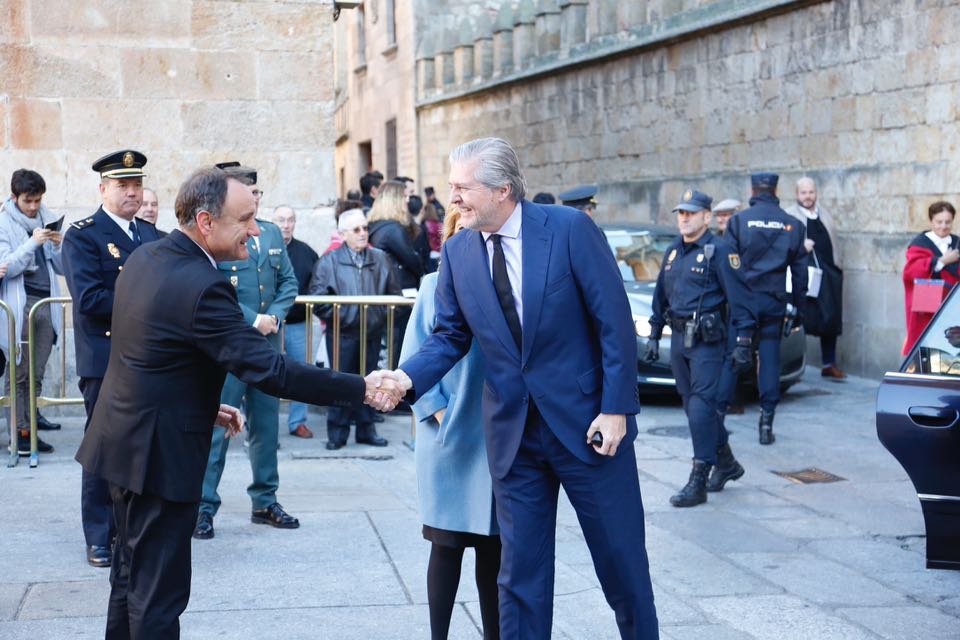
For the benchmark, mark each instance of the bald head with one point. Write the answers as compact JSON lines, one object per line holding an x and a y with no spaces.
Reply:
{"x":807,"y":193}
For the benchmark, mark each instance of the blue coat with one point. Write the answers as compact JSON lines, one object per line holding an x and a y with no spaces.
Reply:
{"x":579,"y":354}
{"x":455,"y":488}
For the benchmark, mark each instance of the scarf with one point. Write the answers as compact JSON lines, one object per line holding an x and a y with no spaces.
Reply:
{"x":27,"y":223}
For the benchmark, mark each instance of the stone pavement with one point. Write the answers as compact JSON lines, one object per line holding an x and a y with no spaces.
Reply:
{"x":765,"y":559}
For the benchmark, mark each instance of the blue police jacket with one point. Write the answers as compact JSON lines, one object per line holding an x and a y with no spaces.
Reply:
{"x":768,"y":240}
{"x":690,"y":279}
{"x":94,"y":251}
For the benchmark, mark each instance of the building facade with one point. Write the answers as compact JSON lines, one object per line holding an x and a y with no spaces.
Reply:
{"x":646,"y":97}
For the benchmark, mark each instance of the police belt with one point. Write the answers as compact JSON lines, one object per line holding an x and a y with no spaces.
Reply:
{"x":677,"y":324}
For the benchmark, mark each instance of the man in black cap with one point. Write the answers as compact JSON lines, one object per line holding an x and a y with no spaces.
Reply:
{"x":582,"y":197}
{"x":94,"y":251}
{"x":769,"y":240}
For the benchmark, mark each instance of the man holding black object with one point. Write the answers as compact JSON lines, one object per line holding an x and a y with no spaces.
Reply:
{"x":699,"y":279}
{"x":180,"y":332}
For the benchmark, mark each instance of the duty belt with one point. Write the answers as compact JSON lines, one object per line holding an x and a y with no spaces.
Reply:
{"x":677,"y":323}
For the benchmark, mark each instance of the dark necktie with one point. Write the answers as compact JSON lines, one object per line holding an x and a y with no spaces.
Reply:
{"x":501,"y":282}
{"x":134,"y":233}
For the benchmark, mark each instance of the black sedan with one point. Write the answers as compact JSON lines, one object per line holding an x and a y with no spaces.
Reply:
{"x":639,"y":252}
{"x":918,"y":421}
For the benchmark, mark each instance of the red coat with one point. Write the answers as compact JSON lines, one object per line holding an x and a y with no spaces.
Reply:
{"x":922,"y":256}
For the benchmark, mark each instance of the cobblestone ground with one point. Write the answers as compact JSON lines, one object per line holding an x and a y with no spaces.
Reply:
{"x":766,"y":559}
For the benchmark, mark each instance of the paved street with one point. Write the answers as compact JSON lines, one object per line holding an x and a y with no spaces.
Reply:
{"x":765,"y":559}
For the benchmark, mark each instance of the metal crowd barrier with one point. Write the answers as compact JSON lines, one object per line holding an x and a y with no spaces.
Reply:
{"x":11,"y":400}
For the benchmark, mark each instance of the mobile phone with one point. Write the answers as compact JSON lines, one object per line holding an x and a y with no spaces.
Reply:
{"x":596,"y":439}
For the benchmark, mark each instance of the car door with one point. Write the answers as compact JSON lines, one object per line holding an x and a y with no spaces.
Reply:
{"x":918,"y":421}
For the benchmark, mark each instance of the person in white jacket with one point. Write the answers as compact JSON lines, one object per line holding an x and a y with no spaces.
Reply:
{"x":31,"y":253}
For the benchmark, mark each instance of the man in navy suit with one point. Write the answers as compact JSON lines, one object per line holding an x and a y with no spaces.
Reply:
{"x":538,"y":287}
{"x":94,"y":252}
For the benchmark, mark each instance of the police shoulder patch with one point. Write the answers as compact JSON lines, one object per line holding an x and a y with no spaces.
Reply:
{"x":80,"y":224}
{"x":734,"y":259}
{"x":673,"y":254}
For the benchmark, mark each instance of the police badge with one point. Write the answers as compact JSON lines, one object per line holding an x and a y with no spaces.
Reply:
{"x":673,"y":254}
{"x":734,"y":260}
{"x":113,"y":251}
{"x":234,"y":280}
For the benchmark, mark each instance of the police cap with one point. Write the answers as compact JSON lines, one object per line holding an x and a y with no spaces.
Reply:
{"x":125,"y":163}
{"x":764,"y":180}
{"x":693,"y":201}
{"x":237,"y":170}
{"x":579,"y":196}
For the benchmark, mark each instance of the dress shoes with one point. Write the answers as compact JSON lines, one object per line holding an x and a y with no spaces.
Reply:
{"x":275,"y":516}
{"x":45,"y":425}
{"x":302,"y":432}
{"x":98,"y":556}
{"x":204,"y":528}
{"x":23,"y":444}
{"x":333,"y":445}
{"x":376,"y":440}
{"x":832,"y":372}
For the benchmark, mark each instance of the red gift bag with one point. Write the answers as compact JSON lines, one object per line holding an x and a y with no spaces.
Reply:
{"x":928,"y":294}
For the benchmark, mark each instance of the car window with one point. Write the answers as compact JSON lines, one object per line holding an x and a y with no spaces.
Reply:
{"x":938,"y":349}
{"x":639,"y":253}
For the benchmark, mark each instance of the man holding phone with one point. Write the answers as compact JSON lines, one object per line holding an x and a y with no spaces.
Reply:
{"x":30,"y":247}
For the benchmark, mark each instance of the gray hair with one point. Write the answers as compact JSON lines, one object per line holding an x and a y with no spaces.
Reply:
{"x":498,"y":164}
{"x":205,"y":190}
{"x":346,"y":215}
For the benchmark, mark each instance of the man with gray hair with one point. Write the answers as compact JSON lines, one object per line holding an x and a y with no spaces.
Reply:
{"x":538,"y":288}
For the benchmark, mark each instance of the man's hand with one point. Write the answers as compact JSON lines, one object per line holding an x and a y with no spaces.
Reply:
{"x":265,"y":324}
{"x":401,"y":377}
{"x":652,"y":354}
{"x":41,"y":235}
{"x":56,"y":238}
{"x":808,"y":245}
{"x":742,"y":358}
{"x":383,"y":392}
{"x":231,"y":419}
{"x":613,"y":427}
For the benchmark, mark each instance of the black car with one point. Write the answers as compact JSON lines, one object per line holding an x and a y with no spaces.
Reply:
{"x":639,"y":252}
{"x":918,"y":421}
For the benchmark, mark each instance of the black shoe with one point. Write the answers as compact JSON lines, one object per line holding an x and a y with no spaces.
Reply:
{"x":765,"y":427}
{"x":727,"y":469}
{"x":275,"y":516}
{"x":375,"y":440}
{"x":204,"y":528}
{"x":45,"y":425}
{"x":23,"y":445}
{"x":333,"y":445}
{"x":98,"y":556}
{"x":695,"y":491}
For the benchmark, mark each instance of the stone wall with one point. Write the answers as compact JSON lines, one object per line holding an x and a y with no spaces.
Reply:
{"x":188,"y":82}
{"x":860,"y":94}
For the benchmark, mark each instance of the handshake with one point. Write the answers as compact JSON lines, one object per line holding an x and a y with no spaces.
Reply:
{"x":385,"y":389}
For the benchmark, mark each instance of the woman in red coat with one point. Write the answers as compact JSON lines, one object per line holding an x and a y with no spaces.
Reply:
{"x":932,"y":255}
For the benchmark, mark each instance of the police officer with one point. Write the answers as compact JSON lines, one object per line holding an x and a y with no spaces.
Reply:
{"x":583,"y":197}
{"x":769,"y":240}
{"x":266,"y":286}
{"x":94,"y":250}
{"x":701,"y":277}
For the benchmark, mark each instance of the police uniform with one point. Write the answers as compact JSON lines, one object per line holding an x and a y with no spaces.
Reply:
{"x":94,"y":251}
{"x":768,"y":240}
{"x":698,"y":282}
{"x":583,"y":197}
{"x":266,"y":285}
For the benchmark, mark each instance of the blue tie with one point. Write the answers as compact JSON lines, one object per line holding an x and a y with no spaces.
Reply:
{"x":134,"y":233}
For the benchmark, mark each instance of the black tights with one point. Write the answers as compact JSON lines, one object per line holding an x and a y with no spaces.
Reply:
{"x":443,"y":578}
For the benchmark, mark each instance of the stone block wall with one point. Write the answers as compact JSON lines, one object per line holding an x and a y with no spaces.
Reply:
{"x":861,"y":95}
{"x":188,"y":82}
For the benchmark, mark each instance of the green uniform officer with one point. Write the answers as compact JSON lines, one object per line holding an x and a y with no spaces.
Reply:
{"x":266,"y":287}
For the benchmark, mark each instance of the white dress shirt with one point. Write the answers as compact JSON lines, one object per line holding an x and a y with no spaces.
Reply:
{"x":209,"y":257}
{"x":123,"y":224}
{"x":943,"y":244}
{"x":511,"y":240}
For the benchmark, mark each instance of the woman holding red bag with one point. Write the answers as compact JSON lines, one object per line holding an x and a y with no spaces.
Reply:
{"x":932,"y":255}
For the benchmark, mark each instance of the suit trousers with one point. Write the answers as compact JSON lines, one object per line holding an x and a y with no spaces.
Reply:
{"x":263,"y":421}
{"x":150,"y":574}
{"x":339,"y":418}
{"x":697,"y":371}
{"x":96,"y":505}
{"x":607,"y":500}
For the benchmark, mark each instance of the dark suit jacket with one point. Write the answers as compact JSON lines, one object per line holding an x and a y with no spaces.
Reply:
{"x":179,"y":333}
{"x":95,"y":250}
{"x":579,"y":344}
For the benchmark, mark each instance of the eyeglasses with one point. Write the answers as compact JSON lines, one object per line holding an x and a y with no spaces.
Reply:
{"x":358,"y":229}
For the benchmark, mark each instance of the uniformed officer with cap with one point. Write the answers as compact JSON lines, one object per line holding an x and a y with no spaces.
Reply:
{"x":769,"y":240}
{"x":700,"y":279}
{"x":94,"y":250}
{"x":582,"y":197}
{"x":266,"y":286}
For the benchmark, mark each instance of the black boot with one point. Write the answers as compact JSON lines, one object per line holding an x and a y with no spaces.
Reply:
{"x":727,"y":469}
{"x":695,"y":492}
{"x":766,"y":427}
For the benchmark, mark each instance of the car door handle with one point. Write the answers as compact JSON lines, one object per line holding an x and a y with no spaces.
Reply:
{"x":940,"y":417}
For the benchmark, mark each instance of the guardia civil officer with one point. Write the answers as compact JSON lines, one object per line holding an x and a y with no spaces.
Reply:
{"x":94,"y":251}
{"x":769,"y":240}
{"x":583,"y":197}
{"x":701,"y":278}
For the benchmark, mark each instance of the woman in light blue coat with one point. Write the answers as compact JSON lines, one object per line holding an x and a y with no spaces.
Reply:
{"x":456,"y":493}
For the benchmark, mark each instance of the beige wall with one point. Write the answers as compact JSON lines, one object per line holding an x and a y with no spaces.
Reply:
{"x":188,"y":82}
